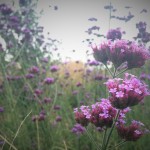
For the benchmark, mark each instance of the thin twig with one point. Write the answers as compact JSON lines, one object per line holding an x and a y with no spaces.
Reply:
{"x":8,"y":142}
{"x":19,"y":128}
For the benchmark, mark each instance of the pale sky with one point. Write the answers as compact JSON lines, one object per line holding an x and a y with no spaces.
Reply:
{"x":69,"y":23}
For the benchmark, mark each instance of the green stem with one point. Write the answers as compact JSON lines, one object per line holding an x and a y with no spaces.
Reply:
{"x":121,"y":143}
{"x":38,"y":136}
{"x":19,"y":129}
{"x":92,"y":139}
{"x":109,"y":135}
{"x":109,"y":70}
{"x":109,"y":15}
{"x":104,"y":138}
{"x":121,"y":72}
{"x":8,"y":142}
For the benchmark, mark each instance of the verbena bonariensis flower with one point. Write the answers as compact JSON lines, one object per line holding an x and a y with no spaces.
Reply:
{"x":1,"y":48}
{"x":102,"y":114}
{"x":5,"y":10}
{"x":101,"y":52}
{"x":34,"y":70}
{"x":54,"y":68}
{"x":1,"y":109}
{"x":30,"y":76}
{"x":49,"y":80}
{"x":132,"y":132}
{"x":78,"y":129}
{"x":82,"y":115}
{"x":126,"y":92}
{"x":114,"y":34}
{"x":93,"y":63}
{"x":121,"y":51}
{"x":136,"y":55}
{"x":141,"y":26}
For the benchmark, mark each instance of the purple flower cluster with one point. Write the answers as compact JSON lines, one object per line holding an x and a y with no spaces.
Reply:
{"x":1,"y":48}
{"x":34,"y":70}
{"x":1,"y":109}
{"x":143,"y":34}
{"x":114,"y":34}
{"x":54,"y":68}
{"x":144,"y":76}
{"x":126,"y":92}
{"x":5,"y":10}
{"x":132,"y":132}
{"x":40,"y":117}
{"x":78,"y":129}
{"x":49,"y":80}
{"x":101,"y":114}
{"x":121,"y":51}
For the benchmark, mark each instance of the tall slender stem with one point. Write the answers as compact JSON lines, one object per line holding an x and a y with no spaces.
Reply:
{"x":104,"y":138}
{"x":110,"y":15}
{"x":109,"y":135}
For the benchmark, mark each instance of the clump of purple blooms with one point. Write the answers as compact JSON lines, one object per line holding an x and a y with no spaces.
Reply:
{"x":126,"y":92}
{"x":114,"y":34}
{"x":123,"y":93}
{"x":132,"y":132}
{"x":49,"y":80}
{"x":143,"y":35}
{"x":78,"y":129}
{"x":121,"y":51}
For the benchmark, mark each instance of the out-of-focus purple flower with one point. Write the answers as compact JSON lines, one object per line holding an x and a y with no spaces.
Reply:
{"x":79,"y":84}
{"x":141,"y":26}
{"x":92,"y":19}
{"x":49,"y":80}
{"x":45,"y":60}
{"x":47,"y":100}
{"x":114,"y":34}
{"x":121,"y":51}
{"x":57,"y":107}
{"x":54,"y":68}
{"x":34,"y":118}
{"x":40,"y":40}
{"x":93,"y":63}
{"x":14,"y":19}
{"x":1,"y":109}
{"x":78,"y":129}
{"x":75,"y":92}
{"x":55,"y":7}
{"x":99,"y":77}
{"x":10,"y":45}
{"x":5,"y":10}
{"x":2,"y":142}
{"x":101,"y":52}
{"x":41,"y":117}
{"x":34,"y":70}
{"x":108,"y":7}
{"x":30,"y":76}
{"x":88,"y":71}
{"x":132,"y":132}
{"x":1,"y":48}
{"x":126,"y":92}
{"x":143,"y":76}
{"x":38,"y":92}
{"x":58,"y":119}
